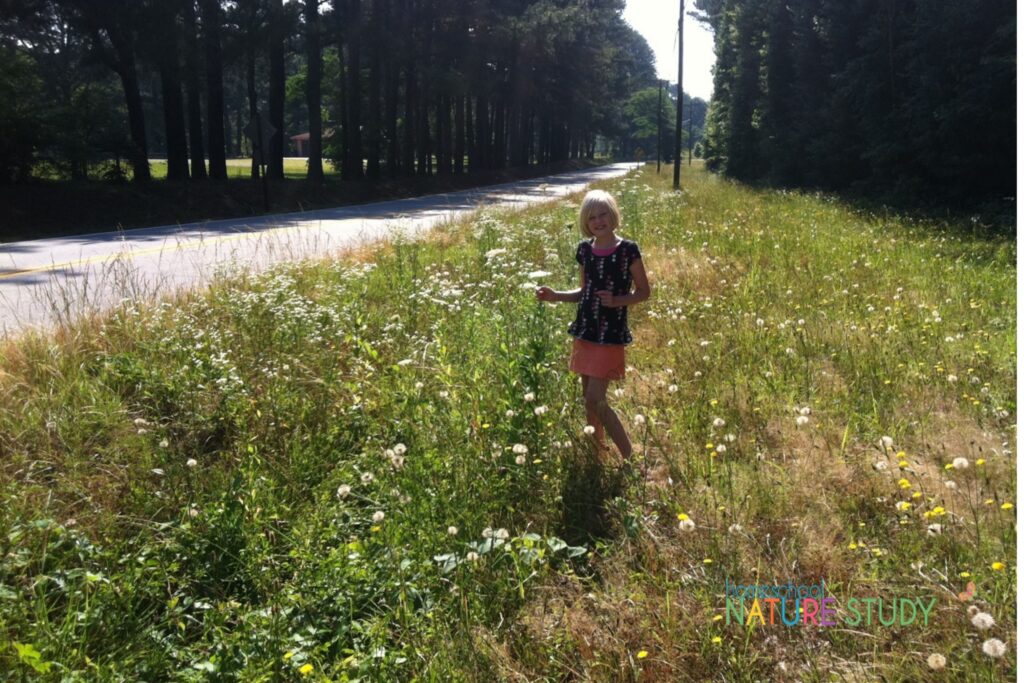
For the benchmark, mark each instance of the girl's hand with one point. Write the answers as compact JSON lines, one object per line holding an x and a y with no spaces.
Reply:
{"x":545,"y":294}
{"x":607,"y":299}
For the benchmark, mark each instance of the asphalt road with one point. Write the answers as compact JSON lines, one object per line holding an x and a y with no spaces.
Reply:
{"x":44,"y":283}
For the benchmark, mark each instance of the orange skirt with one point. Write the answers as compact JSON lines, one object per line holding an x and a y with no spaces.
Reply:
{"x":607,"y":361}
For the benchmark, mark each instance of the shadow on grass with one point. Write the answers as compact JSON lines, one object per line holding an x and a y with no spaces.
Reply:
{"x":589,"y":488}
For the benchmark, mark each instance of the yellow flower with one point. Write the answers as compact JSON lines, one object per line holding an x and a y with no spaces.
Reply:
{"x":902,"y":505}
{"x":716,"y":640}
{"x":717,"y":617}
{"x":904,"y":484}
{"x":852,"y":546}
{"x":901,"y":454}
{"x":642,"y":654}
{"x":965,"y":575}
{"x":915,"y":494}
{"x":714,"y":402}
{"x":948,"y":466}
{"x":288,"y":655}
{"x":998,"y":566}
{"x":989,"y":501}
{"x":979,"y":462}
{"x":682,"y":516}
{"x":1007,"y":506}
{"x":710,"y":446}
{"x":707,"y":560}
{"x":306,"y":669}
{"x":903,"y":464}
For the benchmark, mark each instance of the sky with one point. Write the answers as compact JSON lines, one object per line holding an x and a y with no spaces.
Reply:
{"x":656,"y":20}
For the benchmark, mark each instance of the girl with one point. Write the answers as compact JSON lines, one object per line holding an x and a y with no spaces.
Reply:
{"x":612,"y":277}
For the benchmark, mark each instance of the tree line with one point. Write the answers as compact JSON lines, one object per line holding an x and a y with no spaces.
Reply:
{"x":384,"y":87}
{"x":914,"y":98}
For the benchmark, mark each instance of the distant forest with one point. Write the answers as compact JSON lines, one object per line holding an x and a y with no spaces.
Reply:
{"x":900,"y":97}
{"x":384,"y":88}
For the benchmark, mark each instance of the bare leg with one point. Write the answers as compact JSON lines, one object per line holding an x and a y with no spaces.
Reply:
{"x":596,"y":398}
{"x":592,"y":417}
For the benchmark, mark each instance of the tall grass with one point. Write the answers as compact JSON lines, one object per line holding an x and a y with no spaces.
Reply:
{"x":373,"y":467}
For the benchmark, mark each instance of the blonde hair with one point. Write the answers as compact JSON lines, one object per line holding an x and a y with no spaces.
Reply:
{"x":598,"y":199}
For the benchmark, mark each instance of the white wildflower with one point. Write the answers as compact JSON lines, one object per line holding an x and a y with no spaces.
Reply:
{"x":936,"y":661}
{"x":378,"y":516}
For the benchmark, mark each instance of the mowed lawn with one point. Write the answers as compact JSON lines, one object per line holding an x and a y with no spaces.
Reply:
{"x":242,"y":168}
{"x":373,"y":468}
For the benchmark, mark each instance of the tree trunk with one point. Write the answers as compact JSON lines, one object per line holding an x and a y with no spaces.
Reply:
{"x":377,"y":45}
{"x":482,"y":135}
{"x":122,"y":61}
{"x":275,"y":96}
{"x":315,"y":170}
{"x":211,"y":15}
{"x":459,"y":143}
{"x":170,"y":92}
{"x":391,"y":105}
{"x":250,"y":89}
{"x":195,"y":113}
{"x":354,"y":162}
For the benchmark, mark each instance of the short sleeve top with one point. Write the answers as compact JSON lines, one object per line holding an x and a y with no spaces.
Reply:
{"x":594,"y":322}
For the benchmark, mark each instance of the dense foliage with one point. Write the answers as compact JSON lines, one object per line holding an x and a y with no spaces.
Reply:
{"x":911,"y":98}
{"x":385,"y":88}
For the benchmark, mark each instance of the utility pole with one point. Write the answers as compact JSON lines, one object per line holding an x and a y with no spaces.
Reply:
{"x":679,"y":101}
{"x":661,"y":95}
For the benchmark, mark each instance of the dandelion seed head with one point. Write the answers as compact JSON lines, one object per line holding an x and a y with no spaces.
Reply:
{"x":344,"y":490}
{"x":936,"y":661}
{"x":961,"y":463}
{"x":994,"y":648}
{"x":983,"y":621}
{"x":378,"y":516}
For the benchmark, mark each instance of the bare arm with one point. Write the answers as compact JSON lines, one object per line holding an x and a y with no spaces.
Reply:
{"x":569,"y":296}
{"x":641,"y":289}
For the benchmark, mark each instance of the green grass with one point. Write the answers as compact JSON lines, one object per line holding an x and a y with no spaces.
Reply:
{"x":241,"y":168}
{"x":174,"y":480}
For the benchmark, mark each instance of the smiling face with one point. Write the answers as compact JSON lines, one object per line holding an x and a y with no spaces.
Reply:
{"x":601,"y":221}
{"x":599,"y":215}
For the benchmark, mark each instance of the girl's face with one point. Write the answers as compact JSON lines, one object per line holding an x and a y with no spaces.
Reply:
{"x":600,"y":221}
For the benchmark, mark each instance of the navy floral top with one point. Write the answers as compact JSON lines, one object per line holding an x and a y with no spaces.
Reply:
{"x":594,"y":322}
